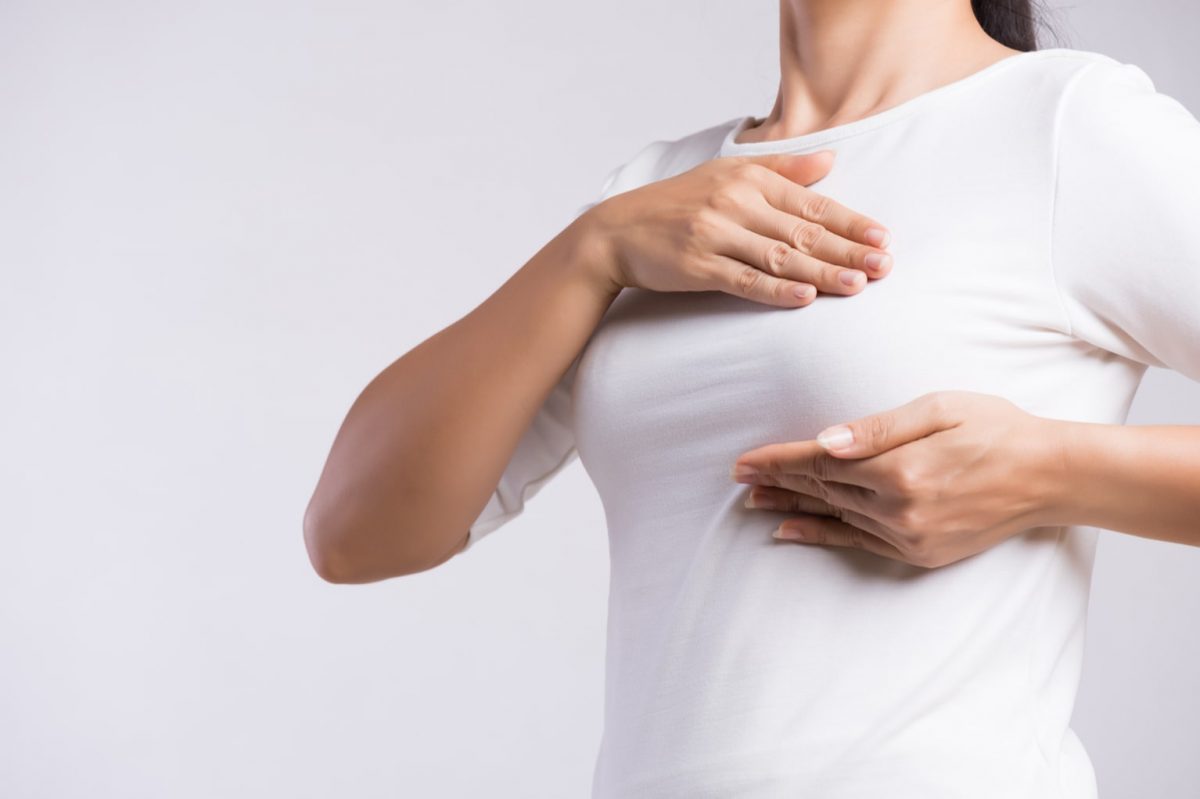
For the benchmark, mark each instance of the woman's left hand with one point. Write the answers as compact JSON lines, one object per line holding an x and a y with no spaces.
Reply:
{"x":931,"y":482}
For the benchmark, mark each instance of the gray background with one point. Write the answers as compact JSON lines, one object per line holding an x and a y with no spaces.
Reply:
{"x":218,"y":221}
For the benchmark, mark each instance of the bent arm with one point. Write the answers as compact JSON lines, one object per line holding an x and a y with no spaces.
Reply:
{"x":424,"y":445}
{"x":1125,"y":261}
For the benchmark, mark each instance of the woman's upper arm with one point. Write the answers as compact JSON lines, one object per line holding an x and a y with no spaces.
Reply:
{"x":547,"y":446}
{"x":1126,"y":217}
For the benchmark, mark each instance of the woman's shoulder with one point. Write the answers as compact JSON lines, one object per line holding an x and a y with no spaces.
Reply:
{"x":1099,"y":88}
{"x":1069,"y":63}
{"x":1125,"y":201}
{"x":1116,"y":108}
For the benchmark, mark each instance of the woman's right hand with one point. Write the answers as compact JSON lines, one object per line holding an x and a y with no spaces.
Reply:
{"x":747,"y":226}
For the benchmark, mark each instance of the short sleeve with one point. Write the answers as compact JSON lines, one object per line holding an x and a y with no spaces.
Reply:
{"x":1126,"y":217}
{"x":545,"y":448}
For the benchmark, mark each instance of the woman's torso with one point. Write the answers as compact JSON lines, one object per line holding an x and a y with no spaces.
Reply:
{"x":742,"y":666}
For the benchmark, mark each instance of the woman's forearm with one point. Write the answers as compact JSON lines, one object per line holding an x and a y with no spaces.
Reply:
{"x":425,"y":443}
{"x":1138,"y":479}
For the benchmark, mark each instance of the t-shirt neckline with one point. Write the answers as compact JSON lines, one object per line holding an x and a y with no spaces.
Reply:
{"x":899,"y":111}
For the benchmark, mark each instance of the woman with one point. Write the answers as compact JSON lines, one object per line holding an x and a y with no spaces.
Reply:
{"x":943,"y":431}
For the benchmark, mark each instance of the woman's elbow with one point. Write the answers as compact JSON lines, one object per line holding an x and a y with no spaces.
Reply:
{"x":327,"y":558}
{"x":334,"y":547}
{"x":344,"y":553}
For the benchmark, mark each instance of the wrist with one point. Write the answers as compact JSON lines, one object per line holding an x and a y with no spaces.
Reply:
{"x":1059,"y":448}
{"x":593,"y":256}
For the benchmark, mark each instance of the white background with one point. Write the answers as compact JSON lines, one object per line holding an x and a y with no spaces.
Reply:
{"x":218,"y":221}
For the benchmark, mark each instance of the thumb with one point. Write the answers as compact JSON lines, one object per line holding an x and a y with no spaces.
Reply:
{"x":880,"y":432}
{"x":803,"y":168}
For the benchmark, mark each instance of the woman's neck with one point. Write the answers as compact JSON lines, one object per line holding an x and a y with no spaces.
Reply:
{"x":841,"y":60}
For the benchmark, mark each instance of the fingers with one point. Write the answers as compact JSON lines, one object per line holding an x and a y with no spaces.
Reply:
{"x":777,"y":257}
{"x":773,"y":463}
{"x":824,"y":522}
{"x":827,"y":531}
{"x":803,"y":169}
{"x":871,"y":435}
{"x":813,"y":238}
{"x":763,"y":497}
{"x":810,"y":496}
{"x":783,"y":256}
{"x":740,"y":279}
{"x":801,"y":201}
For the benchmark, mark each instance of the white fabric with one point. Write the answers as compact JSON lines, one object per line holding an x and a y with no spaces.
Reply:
{"x":1043,"y":214}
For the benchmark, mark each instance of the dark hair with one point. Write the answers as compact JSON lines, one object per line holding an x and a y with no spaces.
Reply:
{"x":1013,"y":23}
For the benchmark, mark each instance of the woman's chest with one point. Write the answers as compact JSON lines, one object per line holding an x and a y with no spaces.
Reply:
{"x":672,"y":387}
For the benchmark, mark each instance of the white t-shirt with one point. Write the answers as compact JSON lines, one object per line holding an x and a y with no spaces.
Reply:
{"x":1044,"y":214}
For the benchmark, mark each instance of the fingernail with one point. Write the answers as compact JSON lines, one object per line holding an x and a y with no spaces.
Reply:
{"x":743,"y":472}
{"x":849,"y":277}
{"x":803,"y":292}
{"x":759,"y":501}
{"x":838,"y":437}
{"x":876,"y":260}
{"x":877,"y":237}
{"x":787,"y":533}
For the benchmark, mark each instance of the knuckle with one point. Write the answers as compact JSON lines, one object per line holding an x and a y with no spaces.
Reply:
{"x":796,"y":234}
{"x":907,"y":479}
{"x":777,"y":257}
{"x":912,"y":523}
{"x":820,"y":489}
{"x":747,"y":279}
{"x":878,"y":430}
{"x":724,"y":198}
{"x":939,"y":403}
{"x":781,"y":291}
{"x":858,"y":539}
{"x":816,"y":207}
{"x":743,"y":172}
{"x":828,"y":276}
{"x":806,"y":235}
{"x":820,"y":466}
{"x":702,"y":269}
{"x":700,"y":225}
